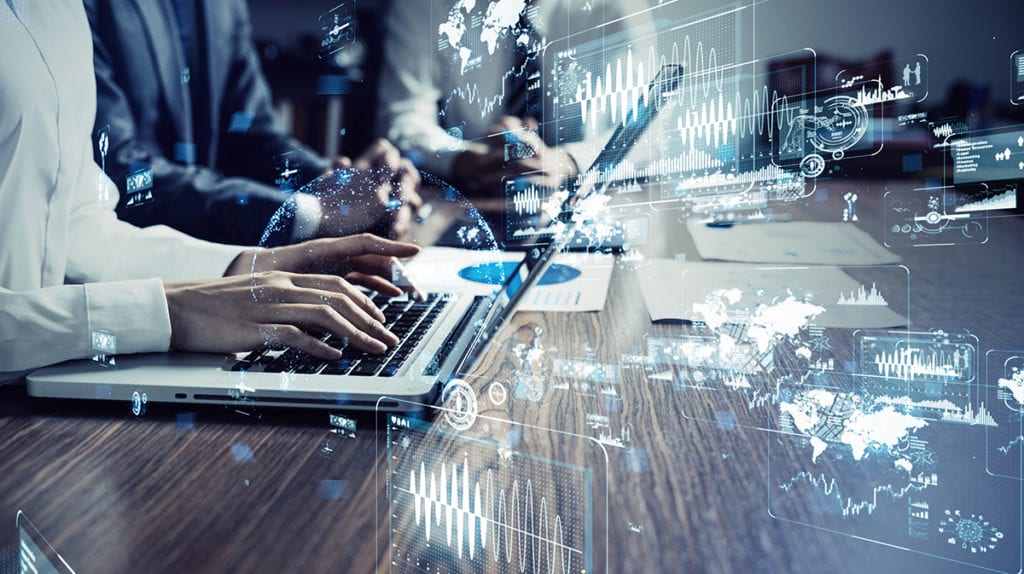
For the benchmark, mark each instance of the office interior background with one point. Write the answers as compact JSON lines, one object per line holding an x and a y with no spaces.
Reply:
{"x":721,"y":438}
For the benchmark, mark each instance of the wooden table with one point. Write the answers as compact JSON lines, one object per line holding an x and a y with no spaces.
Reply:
{"x":179,"y":491}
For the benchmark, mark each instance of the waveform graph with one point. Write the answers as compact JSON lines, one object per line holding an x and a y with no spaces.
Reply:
{"x":932,"y":374}
{"x":466,"y":503}
{"x":529,"y":208}
{"x":527,"y":201}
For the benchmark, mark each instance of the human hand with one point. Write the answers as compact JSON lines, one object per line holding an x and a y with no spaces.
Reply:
{"x":363,"y":259}
{"x":483,"y":165}
{"x":275,"y":308}
{"x":272,"y":296}
{"x":376,"y":192}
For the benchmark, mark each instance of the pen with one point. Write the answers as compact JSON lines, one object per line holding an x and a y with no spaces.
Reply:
{"x":782,"y":217}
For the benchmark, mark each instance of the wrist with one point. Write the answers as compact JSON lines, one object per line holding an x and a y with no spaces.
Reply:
{"x":242,"y":264}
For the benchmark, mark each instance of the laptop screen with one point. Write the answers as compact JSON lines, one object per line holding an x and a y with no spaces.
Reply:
{"x":541,"y":253}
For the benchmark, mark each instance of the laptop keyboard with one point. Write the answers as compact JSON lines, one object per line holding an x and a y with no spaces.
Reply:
{"x":408,"y":320}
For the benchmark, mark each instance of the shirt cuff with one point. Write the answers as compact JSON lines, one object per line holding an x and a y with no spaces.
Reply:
{"x":308,"y":214}
{"x":135,"y":312}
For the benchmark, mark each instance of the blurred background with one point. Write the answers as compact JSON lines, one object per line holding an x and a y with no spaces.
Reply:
{"x":331,"y":104}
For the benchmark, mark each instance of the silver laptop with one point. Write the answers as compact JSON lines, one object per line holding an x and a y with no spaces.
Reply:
{"x":440,"y":336}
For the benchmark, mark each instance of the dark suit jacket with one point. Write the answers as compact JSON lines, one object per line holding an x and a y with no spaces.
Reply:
{"x":228,"y":195}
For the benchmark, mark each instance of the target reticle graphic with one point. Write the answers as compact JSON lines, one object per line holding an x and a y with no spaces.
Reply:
{"x":459,"y":402}
{"x":812,"y":165}
{"x":841,"y":124}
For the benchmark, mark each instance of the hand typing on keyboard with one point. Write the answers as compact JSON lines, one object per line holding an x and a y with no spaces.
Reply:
{"x":278,"y":296}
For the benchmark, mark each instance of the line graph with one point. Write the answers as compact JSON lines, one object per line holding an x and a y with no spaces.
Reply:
{"x":1005,"y":449}
{"x":1005,"y":200}
{"x":848,"y":505}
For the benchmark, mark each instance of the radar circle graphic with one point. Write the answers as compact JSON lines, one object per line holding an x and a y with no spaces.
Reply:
{"x":139,"y":403}
{"x":812,"y":165}
{"x":841,"y":124}
{"x":497,"y":393}
{"x":460,"y":405}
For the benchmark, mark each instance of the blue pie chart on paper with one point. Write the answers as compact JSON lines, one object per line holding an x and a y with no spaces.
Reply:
{"x":495,"y":273}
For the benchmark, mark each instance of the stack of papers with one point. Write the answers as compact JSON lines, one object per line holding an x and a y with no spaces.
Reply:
{"x":799,"y":259}
{"x":676,"y":286}
{"x":801,"y":242}
{"x":438,"y":269}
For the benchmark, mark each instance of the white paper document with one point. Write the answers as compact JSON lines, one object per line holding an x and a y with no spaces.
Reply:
{"x":681,"y":290}
{"x":574,"y":282}
{"x":801,"y":242}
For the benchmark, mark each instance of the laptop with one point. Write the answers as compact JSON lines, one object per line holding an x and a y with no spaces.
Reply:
{"x":439,"y":336}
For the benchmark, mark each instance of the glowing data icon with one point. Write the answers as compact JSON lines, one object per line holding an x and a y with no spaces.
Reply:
{"x":104,"y":347}
{"x":337,"y":28}
{"x":288,"y":173}
{"x":139,"y":186}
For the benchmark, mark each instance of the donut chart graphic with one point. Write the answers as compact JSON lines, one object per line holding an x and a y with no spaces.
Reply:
{"x":496,"y":273}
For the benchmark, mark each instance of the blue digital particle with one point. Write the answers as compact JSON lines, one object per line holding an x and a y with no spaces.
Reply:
{"x":726,"y":153}
{"x":332,"y":85}
{"x":185,"y":152}
{"x":185,"y":421}
{"x":241,"y":452}
{"x":725,"y":420}
{"x":334,"y":489}
{"x":241,"y":122}
{"x":913,"y":163}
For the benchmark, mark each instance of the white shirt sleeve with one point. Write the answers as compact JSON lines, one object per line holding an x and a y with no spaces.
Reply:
{"x":409,"y":93}
{"x":122,"y":268}
{"x":46,"y":326}
{"x":103,"y":248}
{"x":68,"y":267}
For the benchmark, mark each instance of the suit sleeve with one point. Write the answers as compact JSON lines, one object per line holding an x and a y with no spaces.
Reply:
{"x":192,"y":199}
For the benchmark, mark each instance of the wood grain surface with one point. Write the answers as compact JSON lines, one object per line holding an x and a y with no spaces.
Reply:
{"x":219,"y":489}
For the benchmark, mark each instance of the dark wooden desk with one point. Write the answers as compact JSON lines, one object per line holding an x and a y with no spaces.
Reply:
{"x":167,"y":493}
